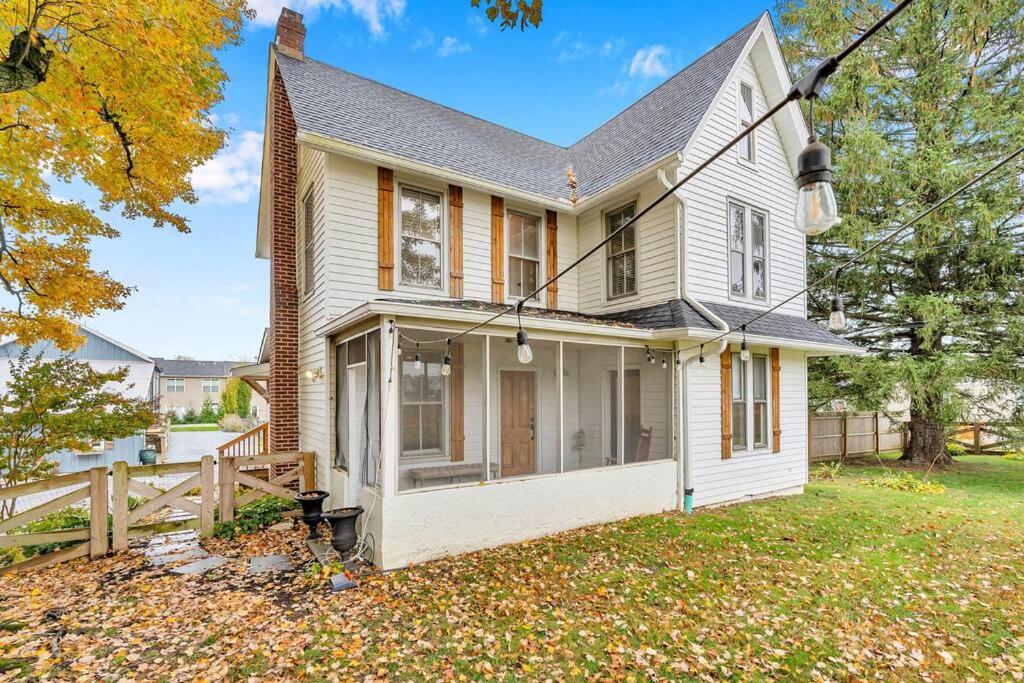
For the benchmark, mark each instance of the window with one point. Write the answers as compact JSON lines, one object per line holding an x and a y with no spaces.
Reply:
{"x":750,"y":401}
{"x":739,"y":402}
{"x":746,"y":115}
{"x":420,"y":231}
{"x":211,"y":386}
{"x":748,"y":252}
{"x":308,"y":243}
{"x":524,"y":237}
{"x":422,"y":403}
{"x":175,"y":385}
{"x":621,"y":253}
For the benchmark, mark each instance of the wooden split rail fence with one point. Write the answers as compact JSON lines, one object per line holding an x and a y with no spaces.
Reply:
{"x":196,"y":496}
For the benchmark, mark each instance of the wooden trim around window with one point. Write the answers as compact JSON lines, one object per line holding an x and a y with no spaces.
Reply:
{"x":776,"y":408}
{"x":385,"y":228}
{"x":726,"y":363}
{"x":551,"y":218}
{"x":497,"y":250}
{"x":455,"y":240}
{"x":457,"y":395}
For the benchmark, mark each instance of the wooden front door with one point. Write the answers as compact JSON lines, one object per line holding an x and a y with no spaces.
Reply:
{"x":518,"y":423}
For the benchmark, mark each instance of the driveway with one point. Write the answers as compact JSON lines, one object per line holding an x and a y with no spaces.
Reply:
{"x":186,"y":446}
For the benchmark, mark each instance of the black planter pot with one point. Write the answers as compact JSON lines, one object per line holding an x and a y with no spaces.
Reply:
{"x":343,"y":528}
{"x":312,"y":503}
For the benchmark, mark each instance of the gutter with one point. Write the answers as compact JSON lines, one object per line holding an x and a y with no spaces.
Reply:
{"x":684,"y":475}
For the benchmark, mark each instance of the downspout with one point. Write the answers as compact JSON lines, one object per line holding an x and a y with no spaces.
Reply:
{"x":684,"y":475}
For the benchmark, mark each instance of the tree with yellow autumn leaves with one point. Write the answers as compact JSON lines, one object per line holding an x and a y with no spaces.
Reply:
{"x":117,"y":95}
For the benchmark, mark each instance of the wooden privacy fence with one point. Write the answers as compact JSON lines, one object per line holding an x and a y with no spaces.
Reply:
{"x":195,"y":497}
{"x":832,"y":436}
{"x":979,"y":438}
{"x":283,"y":469}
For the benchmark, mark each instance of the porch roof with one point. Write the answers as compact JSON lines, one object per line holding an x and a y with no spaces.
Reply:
{"x":670,"y":320}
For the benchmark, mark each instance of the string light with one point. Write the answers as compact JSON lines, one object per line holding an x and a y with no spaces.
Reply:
{"x":744,"y":351}
{"x":446,"y":366}
{"x":417,"y":362}
{"x":664,"y":362}
{"x":837,"y":318}
{"x":816,"y":207}
{"x":523,"y":351}
{"x":701,"y":363}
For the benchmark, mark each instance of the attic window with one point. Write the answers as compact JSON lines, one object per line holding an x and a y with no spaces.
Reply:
{"x":307,"y":243}
{"x":746,"y":116}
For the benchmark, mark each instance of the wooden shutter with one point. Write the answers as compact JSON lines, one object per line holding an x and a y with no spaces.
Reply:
{"x":776,"y":409}
{"x":552,"y":256}
{"x":455,"y":240}
{"x":385,"y":228}
{"x":726,"y":363}
{"x":497,"y":250}
{"x":457,"y":395}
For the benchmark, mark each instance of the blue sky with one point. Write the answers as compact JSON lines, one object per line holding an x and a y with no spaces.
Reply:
{"x":204,"y":294}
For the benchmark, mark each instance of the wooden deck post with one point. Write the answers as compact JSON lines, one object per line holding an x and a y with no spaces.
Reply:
{"x":98,"y":543}
{"x":227,"y":490}
{"x":206,"y":492}
{"x":878,"y":433}
{"x":977,"y":438}
{"x":119,"y":506}
{"x":846,"y":433}
{"x":308,"y":472}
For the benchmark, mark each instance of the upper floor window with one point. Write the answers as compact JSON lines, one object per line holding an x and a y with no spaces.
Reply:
{"x":750,"y":401}
{"x":421,"y":238}
{"x":746,"y":116}
{"x":211,"y":386}
{"x":748,"y":252}
{"x":621,"y":264}
{"x":308,"y":243}
{"x":524,"y":235}
{"x":175,"y":385}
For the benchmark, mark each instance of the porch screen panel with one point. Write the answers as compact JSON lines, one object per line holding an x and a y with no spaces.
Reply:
{"x":371,"y":412}
{"x":440,"y":421}
{"x":648,"y":405}
{"x":341,"y":407}
{"x":589,"y":406}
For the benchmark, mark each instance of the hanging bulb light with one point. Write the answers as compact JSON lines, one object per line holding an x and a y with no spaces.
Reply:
{"x":701,"y":363}
{"x":816,"y":207}
{"x":664,"y":363}
{"x":417,"y":362}
{"x":446,"y":366}
{"x":744,"y":351}
{"x":837,"y":320}
{"x":524,"y":353}
{"x":650,"y":356}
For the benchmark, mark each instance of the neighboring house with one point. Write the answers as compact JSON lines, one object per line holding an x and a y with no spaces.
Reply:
{"x":103,"y":354}
{"x":183,"y":384}
{"x":392,"y":223}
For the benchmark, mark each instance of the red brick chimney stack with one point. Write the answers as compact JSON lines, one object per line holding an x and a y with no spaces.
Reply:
{"x":291,"y":33}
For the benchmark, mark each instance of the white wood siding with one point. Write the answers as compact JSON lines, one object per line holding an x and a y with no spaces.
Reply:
{"x":754,"y":472}
{"x":768,"y":185}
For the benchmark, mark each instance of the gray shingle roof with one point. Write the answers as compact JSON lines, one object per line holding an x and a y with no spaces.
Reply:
{"x":329,"y":101}
{"x":674,"y":314}
{"x":195,"y":368}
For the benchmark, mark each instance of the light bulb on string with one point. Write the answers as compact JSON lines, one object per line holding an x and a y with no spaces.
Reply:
{"x":446,"y":366}
{"x":744,"y":350}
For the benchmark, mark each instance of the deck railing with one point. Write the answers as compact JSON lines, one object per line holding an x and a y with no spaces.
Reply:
{"x":256,"y":441}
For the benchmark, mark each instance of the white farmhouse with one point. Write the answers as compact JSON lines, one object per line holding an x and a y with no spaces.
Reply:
{"x":394,"y":224}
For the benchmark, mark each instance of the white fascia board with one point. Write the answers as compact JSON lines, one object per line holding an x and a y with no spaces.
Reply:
{"x":332,"y":145}
{"x":257,"y":370}
{"x":666,"y":163}
{"x":263,"y":209}
{"x":811,"y":347}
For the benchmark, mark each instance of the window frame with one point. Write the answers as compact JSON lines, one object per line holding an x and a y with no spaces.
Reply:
{"x":741,"y":124}
{"x":210,"y":380}
{"x":750,"y":445}
{"x":442,"y":193}
{"x":541,"y":250}
{"x":179,"y":385}
{"x":423,"y":453}
{"x":749,"y":210}
{"x":605,"y":215}
{"x":308,"y":242}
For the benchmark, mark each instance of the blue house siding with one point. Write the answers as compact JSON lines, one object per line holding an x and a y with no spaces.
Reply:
{"x":126,"y":449}
{"x":94,"y":348}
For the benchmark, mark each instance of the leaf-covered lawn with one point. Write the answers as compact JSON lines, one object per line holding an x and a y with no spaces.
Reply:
{"x":846,"y":581}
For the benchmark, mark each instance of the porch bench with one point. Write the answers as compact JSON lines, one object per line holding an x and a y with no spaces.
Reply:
{"x":449,"y":472}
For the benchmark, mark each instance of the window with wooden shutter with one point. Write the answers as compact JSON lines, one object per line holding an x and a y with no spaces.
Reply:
{"x":726,"y":386}
{"x":776,"y":407}
{"x":385,"y":228}
{"x":497,"y":250}
{"x":457,"y":392}
{"x":621,"y":252}
{"x":524,"y":236}
{"x":551,"y":219}
{"x":455,"y":240}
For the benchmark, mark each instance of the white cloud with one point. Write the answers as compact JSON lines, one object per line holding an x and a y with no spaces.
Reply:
{"x":650,"y":62}
{"x":233,"y":175}
{"x":477,"y":23}
{"x":578,"y":48}
{"x":611,"y":47}
{"x":374,"y":13}
{"x":452,"y":46}
{"x":424,"y":39}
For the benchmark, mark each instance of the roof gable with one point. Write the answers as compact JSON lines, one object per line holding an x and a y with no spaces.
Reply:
{"x":96,"y":346}
{"x":333,"y":103}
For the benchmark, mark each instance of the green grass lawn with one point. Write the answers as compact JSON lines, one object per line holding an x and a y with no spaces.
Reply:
{"x":846,"y":582}
{"x":195,"y":428}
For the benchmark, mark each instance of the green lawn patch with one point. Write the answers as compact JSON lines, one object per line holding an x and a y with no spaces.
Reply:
{"x":195,"y":428}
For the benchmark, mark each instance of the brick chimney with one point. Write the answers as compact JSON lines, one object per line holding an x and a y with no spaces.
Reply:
{"x":291,"y":33}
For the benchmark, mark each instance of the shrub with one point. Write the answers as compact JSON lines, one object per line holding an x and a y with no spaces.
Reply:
{"x":901,"y":480}
{"x":1016,"y":456}
{"x":233,"y":423}
{"x":956,"y":449}
{"x":208,"y":414}
{"x":828,"y":471}
{"x":257,"y":515}
{"x":190,"y":416}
